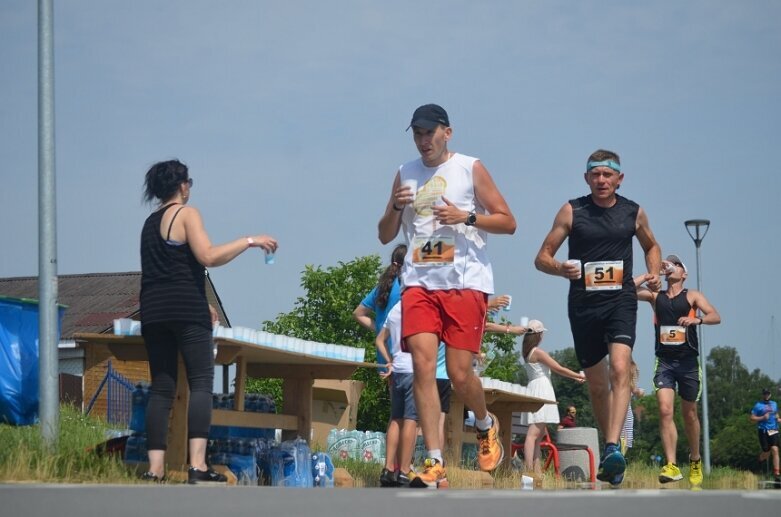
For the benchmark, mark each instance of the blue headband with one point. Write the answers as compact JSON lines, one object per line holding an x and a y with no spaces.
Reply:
{"x":604,"y":163}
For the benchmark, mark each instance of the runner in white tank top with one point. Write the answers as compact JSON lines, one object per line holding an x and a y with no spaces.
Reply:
{"x":447,"y":276}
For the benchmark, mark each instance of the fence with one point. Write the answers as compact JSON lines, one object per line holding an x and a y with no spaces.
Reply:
{"x":119,"y":397}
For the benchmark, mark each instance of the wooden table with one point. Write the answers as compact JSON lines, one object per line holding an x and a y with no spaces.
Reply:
{"x":297,"y":372}
{"x":502,"y":404}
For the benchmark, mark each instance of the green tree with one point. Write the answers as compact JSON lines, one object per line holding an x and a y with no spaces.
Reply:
{"x":324,"y":314}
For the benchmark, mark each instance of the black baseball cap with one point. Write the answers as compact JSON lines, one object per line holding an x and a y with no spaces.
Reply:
{"x":765,"y":391}
{"x":429,"y":116}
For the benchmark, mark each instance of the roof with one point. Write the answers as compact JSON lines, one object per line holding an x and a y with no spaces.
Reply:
{"x":95,"y":300}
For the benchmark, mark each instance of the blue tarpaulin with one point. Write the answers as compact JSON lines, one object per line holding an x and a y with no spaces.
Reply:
{"x":19,"y":360}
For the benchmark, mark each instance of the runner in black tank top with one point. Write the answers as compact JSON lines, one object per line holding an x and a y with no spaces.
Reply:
{"x":602,"y":303}
{"x":677,"y":363}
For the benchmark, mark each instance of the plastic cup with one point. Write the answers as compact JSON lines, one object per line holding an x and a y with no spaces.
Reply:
{"x":576,"y":262}
{"x":412,"y":184}
{"x":524,"y":321}
{"x":269,"y":257}
{"x":507,"y":307}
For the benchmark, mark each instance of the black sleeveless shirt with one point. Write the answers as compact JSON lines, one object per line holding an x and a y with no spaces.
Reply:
{"x":173,"y":282}
{"x":602,"y":234}
{"x":667,"y":311}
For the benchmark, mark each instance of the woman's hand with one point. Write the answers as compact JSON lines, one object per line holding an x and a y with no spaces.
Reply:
{"x":266,"y":242}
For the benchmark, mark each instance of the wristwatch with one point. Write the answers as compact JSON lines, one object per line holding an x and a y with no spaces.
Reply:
{"x":471,"y":219}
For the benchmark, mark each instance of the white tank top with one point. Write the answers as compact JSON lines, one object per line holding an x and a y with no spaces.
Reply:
{"x":444,"y":256}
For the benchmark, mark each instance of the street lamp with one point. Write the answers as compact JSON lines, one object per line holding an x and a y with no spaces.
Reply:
{"x":697,"y":228}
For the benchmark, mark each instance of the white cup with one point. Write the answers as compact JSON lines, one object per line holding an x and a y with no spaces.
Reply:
{"x":412,"y":184}
{"x":269,"y":257}
{"x":576,"y":262}
{"x":524,"y":321}
{"x":509,"y":303}
{"x":527,"y":482}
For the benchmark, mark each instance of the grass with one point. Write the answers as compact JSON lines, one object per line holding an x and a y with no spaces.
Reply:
{"x":25,"y":458}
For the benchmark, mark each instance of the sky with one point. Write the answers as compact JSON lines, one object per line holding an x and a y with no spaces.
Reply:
{"x":291,"y":118}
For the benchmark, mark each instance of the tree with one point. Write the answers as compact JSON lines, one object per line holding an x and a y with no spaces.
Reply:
{"x":324,"y":314}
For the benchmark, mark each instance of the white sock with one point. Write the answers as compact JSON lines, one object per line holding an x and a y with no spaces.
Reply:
{"x":484,"y":424}
{"x":436,"y":454}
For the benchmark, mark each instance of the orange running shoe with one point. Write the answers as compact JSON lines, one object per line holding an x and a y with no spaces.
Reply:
{"x":490,"y":451}
{"x":433,"y":476}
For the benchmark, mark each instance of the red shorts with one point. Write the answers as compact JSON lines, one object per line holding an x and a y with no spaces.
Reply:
{"x":456,"y":316}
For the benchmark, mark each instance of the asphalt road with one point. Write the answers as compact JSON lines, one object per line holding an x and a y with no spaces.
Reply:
{"x":190,"y":501}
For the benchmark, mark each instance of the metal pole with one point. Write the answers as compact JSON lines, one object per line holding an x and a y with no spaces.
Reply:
{"x":704,"y":359}
{"x":697,"y":225}
{"x":47,"y":232}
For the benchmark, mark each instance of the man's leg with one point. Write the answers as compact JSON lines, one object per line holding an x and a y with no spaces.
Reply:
{"x":469,"y":388}
{"x":620,"y":360}
{"x":423,"y":348}
{"x":691,"y":424}
{"x":599,"y":391}
{"x":667,"y":430}
{"x":392,"y":437}
{"x":409,"y":433}
{"x":465,"y":383}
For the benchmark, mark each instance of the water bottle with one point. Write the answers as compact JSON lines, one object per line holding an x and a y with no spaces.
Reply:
{"x":322,"y":470}
{"x":140,"y":398}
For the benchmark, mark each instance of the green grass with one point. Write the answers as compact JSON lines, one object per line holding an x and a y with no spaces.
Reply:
{"x":25,"y":458}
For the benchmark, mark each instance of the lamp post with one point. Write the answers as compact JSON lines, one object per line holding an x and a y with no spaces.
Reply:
{"x":697,"y":228}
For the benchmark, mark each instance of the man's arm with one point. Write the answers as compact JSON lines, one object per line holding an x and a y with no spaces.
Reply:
{"x":643,"y":293}
{"x":710,"y":316}
{"x":545,"y":260}
{"x":653,"y":253}
{"x":390,"y":222}
{"x":498,"y":217}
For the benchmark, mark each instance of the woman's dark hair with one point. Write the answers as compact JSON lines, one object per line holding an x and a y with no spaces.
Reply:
{"x":530,"y":342}
{"x":163,"y":179}
{"x":390,"y":274}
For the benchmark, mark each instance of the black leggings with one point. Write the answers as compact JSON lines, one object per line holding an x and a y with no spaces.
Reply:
{"x":163,"y":341}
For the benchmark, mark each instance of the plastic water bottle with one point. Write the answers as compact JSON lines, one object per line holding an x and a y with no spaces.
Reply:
{"x":140,"y":398}
{"x":322,"y":470}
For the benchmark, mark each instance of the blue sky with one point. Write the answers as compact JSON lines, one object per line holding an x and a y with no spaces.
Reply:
{"x":291,"y":117}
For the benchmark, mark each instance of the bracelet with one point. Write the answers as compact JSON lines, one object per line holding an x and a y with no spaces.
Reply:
{"x":250,"y":242}
{"x":701,"y":322}
{"x":397,"y":208}
{"x":507,"y":329}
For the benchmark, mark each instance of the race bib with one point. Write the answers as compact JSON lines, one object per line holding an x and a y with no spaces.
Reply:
{"x":606,"y":275}
{"x":672,"y":335}
{"x":434,"y":251}
{"x":771,"y":432}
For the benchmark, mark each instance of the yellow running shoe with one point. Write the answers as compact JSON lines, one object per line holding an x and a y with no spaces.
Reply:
{"x":490,"y":451}
{"x":670,"y":472}
{"x":433,"y":475}
{"x":695,"y":472}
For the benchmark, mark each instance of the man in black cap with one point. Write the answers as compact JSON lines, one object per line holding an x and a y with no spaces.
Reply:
{"x":677,"y":362}
{"x":447,"y":204}
{"x":765,"y":414}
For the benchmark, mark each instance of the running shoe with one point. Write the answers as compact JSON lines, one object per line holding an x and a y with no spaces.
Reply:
{"x":389,"y":478}
{"x":199,"y":477}
{"x":695,"y":472}
{"x":670,"y":472}
{"x":406,"y":479}
{"x":433,"y":475}
{"x":490,"y":450}
{"x":612,"y":466}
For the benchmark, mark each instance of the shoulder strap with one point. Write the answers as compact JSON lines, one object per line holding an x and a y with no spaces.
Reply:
{"x":171,"y":224}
